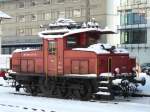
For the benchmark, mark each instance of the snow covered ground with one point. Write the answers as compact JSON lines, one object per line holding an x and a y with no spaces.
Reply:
{"x":145,"y":89}
{"x":10,"y":102}
{"x":5,"y":61}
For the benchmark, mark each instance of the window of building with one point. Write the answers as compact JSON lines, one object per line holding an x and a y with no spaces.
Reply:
{"x":68,"y":12}
{"x":77,"y":12}
{"x":47,"y":16}
{"x":123,"y":2}
{"x":21,"y":32}
{"x":130,"y":17}
{"x":33,"y":17}
{"x":137,"y":1}
{"x":144,"y":1}
{"x":52,"y":47}
{"x":134,"y":36}
{"x":34,"y":31}
{"x":148,"y":1}
{"x":139,"y":18}
{"x":133,"y":2}
{"x":54,"y":15}
{"x":21,"y":18}
{"x":130,"y":2}
{"x":28,"y":31}
{"x":60,"y":1}
{"x":33,"y":3}
{"x":47,"y":2}
{"x":1,"y":5}
{"x":21,"y":4}
{"x":75,"y":0}
{"x":61,"y":14}
{"x":6,"y":50}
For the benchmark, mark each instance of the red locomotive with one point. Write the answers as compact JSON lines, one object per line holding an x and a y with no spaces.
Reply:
{"x":71,"y":64}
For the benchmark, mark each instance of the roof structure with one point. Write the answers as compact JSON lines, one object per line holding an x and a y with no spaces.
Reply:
{"x":4,"y":15}
{"x":61,"y":33}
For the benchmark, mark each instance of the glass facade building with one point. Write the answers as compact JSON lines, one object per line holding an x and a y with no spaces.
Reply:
{"x":29,"y":15}
{"x":135,"y":27}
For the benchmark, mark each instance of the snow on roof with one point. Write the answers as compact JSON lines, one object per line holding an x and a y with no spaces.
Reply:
{"x":5,"y":61}
{"x":81,"y":75}
{"x":65,"y":32}
{"x":98,"y":49}
{"x":4,"y":16}
{"x":23,"y":50}
{"x":62,"y":22}
{"x":53,"y":33}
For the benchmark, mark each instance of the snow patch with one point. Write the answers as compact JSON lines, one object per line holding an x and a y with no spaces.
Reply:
{"x":23,"y":50}
{"x":5,"y":61}
{"x":66,"y":32}
{"x":4,"y":15}
{"x":103,"y":93}
{"x":106,"y":74}
{"x":3,"y":82}
{"x":146,"y":88}
{"x":117,"y":81}
{"x":101,"y":48}
{"x":81,"y":75}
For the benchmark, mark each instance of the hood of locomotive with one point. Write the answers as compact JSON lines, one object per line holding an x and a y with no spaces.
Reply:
{"x":116,"y":62}
{"x":110,"y":58}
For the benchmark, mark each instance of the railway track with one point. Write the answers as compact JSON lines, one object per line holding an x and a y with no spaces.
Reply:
{"x":117,"y":99}
{"x":93,"y":99}
{"x":24,"y":108}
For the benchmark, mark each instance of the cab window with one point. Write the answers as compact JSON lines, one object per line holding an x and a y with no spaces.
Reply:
{"x":72,"y":42}
{"x":52,"y":47}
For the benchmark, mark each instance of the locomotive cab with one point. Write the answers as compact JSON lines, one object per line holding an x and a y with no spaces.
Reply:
{"x":70,"y":53}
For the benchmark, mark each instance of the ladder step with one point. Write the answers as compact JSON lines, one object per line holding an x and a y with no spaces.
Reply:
{"x":103,"y":87}
{"x":104,"y":82}
{"x":103,"y":93}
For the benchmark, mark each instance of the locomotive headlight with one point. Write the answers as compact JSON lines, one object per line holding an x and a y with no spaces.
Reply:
{"x":134,"y":69}
{"x":117,"y":70}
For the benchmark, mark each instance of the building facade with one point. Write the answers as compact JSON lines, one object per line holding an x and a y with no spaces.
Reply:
{"x":135,"y":28}
{"x":28,"y":15}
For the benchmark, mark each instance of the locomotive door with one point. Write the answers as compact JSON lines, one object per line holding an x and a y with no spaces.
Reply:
{"x":109,"y":64}
{"x":52,"y":58}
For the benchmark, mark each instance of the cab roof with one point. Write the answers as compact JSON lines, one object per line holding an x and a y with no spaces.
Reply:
{"x":61,"y":33}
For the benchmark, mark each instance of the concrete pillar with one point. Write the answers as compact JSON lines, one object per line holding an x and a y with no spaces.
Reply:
{"x":2,"y":16}
{"x":0,"y":39}
{"x":112,"y":20}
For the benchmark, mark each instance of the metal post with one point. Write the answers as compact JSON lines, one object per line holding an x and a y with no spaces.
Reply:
{"x":0,"y":37}
{"x":87,"y":11}
{"x":2,"y":16}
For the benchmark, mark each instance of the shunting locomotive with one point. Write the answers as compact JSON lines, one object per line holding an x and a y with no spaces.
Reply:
{"x":73,"y":63}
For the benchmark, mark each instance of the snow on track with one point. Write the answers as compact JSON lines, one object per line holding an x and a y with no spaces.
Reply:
{"x":19,"y":103}
{"x":145,"y":89}
{"x":10,"y":102}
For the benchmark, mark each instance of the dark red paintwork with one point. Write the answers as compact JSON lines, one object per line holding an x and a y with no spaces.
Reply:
{"x":68,"y":61}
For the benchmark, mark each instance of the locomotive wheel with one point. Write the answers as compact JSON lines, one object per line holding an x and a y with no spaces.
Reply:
{"x":76,"y":94}
{"x":27,"y":89}
{"x":32,"y":89}
{"x":68,"y":94}
{"x":56,"y":91}
{"x":45,"y":87}
{"x":63,"y":92}
{"x":85,"y":91}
